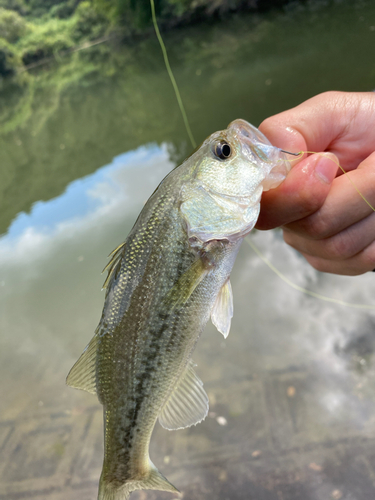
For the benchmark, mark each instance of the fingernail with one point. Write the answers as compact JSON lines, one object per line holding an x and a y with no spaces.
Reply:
{"x":326,"y":167}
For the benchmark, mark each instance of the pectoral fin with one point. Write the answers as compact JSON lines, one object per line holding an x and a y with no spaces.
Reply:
{"x":222,"y":312}
{"x":186,"y":284}
{"x":83,"y":374}
{"x":188,"y":403}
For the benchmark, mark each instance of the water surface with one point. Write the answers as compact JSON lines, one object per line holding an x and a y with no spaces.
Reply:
{"x":292,"y":388}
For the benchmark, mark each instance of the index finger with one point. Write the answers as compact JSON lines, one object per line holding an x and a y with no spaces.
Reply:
{"x":339,"y":122}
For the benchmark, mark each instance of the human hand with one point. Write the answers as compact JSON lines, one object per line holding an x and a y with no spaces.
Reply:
{"x":320,"y":211}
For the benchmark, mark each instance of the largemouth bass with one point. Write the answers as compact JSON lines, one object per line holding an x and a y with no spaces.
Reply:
{"x":163,"y":284}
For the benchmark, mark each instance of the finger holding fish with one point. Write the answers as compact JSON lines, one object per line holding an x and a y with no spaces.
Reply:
{"x":343,"y":205}
{"x":339,"y":237}
{"x":301,"y":194}
{"x":326,"y":220}
{"x":341,"y":246}
{"x":339,"y":122}
{"x":360,"y":263}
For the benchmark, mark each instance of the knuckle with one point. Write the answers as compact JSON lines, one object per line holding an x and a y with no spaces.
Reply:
{"x":334,"y":98}
{"x":290,"y":239}
{"x":333,"y":95}
{"x":318,"y":264}
{"x":309,"y":203}
{"x":341,"y":246}
{"x":368,"y":257}
{"x":337,"y":248}
{"x":315,"y":227}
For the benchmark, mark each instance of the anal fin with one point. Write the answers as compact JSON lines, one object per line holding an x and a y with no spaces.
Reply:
{"x":188,"y":403}
{"x":222,"y":312}
{"x":157,"y":481}
{"x":83,"y":374}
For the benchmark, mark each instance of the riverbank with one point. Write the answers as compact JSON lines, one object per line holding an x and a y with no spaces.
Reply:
{"x":38,"y":30}
{"x":66,"y":119}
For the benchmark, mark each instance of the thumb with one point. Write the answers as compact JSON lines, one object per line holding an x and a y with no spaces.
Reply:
{"x":302,"y":193}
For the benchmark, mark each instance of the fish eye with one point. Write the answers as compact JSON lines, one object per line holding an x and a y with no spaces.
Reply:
{"x":222,"y":150}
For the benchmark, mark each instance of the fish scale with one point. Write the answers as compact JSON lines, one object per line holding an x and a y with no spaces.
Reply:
{"x":166,"y":280}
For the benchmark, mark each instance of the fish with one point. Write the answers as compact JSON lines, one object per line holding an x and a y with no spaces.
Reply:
{"x":164,"y":282}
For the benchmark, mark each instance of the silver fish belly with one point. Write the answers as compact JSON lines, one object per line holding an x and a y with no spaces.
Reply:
{"x":164,"y":282}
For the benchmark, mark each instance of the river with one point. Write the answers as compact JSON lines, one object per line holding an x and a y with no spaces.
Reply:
{"x":83,"y":144}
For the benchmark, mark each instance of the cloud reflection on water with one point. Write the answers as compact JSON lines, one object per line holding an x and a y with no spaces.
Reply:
{"x":51,"y":261}
{"x":115,"y":188}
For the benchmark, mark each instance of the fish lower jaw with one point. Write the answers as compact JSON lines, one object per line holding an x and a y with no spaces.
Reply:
{"x":276,"y":176}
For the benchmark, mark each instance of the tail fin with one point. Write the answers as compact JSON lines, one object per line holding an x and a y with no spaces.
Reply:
{"x":154,"y":481}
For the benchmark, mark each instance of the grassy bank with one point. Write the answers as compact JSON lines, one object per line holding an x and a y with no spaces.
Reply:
{"x":41,"y":33}
{"x":32,"y":31}
{"x":31,"y":34}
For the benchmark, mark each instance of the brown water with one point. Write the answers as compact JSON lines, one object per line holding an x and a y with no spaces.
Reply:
{"x":292,"y":405}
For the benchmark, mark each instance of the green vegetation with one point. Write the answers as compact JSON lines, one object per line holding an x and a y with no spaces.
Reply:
{"x":41,"y":33}
{"x":42,"y":29}
{"x":9,"y":59}
{"x":12,"y":25}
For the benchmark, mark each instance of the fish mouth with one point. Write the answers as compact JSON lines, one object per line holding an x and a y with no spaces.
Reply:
{"x":248,"y":132}
{"x":256,"y":148}
{"x":276,"y":175}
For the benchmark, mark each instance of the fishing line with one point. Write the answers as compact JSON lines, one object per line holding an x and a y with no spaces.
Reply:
{"x":170,"y":73}
{"x":301,"y":153}
{"x":301,"y":289}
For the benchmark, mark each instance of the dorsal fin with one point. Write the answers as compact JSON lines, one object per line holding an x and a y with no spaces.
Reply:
{"x":113,"y":265}
{"x":188,"y":403}
{"x":83,"y":374}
